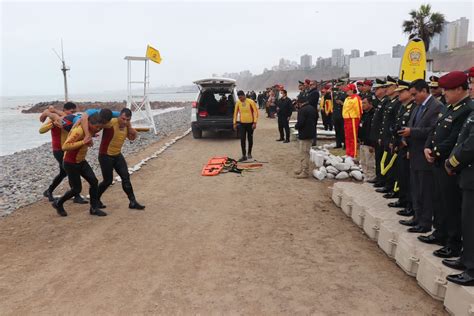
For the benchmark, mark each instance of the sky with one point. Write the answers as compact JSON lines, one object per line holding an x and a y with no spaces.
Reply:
{"x":196,"y":39}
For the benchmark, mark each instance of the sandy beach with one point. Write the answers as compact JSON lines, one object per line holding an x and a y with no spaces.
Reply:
{"x":261,"y":243}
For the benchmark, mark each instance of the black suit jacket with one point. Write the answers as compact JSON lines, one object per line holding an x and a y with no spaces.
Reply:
{"x":419,"y":131}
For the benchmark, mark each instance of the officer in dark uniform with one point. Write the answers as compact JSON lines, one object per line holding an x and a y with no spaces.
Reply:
{"x":461,"y":162}
{"x":378,"y":104}
{"x":338,"y":98}
{"x":284,"y":111}
{"x":302,"y":96}
{"x":447,"y":218}
{"x":391,"y":108}
{"x":436,"y":90}
{"x":400,"y":147}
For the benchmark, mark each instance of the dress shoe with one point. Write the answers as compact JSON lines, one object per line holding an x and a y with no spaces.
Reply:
{"x":286,"y":141}
{"x":59,"y":208}
{"x":279,"y":140}
{"x":447,"y":252}
{"x":101,"y":205}
{"x":431,"y":239}
{"x":49,"y":195}
{"x":379,"y":185}
{"x":79,"y":200}
{"x":397,"y":204}
{"x":464,"y":278}
{"x":409,"y":222}
{"x":454,"y":264}
{"x":373,"y":181}
{"x":418,"y":229}
{"x":406,"y":212}
{"x":391,"y":195}
{"x":97,"y":212}
{"x":135,"y":205}
{"x":382,"y":190}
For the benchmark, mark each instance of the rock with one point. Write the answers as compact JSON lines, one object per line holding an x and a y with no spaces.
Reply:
{"x":330,"y":176}
{"x":318,"y":175}
{"x":331,"y":169}
{"x":323,"y":170}
{"x":355,"y":167}
{"x":318,"y":160}
{"x":342,"y":175}
{"x":342,"y":166}
{"x":356,"y":175}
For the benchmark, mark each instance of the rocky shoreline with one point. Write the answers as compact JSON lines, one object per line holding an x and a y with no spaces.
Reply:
{"x":114,"y":106}
{"x":26,"y":174}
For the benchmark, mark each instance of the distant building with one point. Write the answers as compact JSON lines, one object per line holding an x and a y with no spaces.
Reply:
{"x":397,"y":51}
{"x":453,"y":35}
{"x":286,"y":64}
{"x":347,"y":60}
{"x":355,"y":53}
{"x":370,"y":53}
{"x":323,"y":62}
{"x":306,"y":62}
{"x":337,"y":57}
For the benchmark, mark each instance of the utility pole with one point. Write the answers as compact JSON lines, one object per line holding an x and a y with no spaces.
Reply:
{"x":64,"y":69}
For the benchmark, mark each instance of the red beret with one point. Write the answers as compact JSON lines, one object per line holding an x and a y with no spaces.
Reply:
{"x":307,"y":81}
{"x":453,"y":80}
{"x":368,"y":82}
{"x":471,"y":72}
{"x":327,"y":87}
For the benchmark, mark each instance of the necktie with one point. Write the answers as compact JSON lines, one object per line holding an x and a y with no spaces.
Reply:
{"x":420,"y":111}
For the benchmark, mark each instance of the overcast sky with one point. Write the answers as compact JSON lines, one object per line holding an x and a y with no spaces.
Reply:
{"x":196,"y":39}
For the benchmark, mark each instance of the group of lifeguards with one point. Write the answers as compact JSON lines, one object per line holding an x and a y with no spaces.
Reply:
{"x":71,"y":136}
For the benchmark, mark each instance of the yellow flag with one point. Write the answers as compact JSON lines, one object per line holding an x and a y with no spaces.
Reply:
{"x":153,"y":54}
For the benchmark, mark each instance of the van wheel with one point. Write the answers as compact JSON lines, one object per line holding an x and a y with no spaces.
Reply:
{"x":197,"y":132}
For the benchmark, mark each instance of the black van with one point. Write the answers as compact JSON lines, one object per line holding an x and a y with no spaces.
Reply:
{"x":214,"y":108}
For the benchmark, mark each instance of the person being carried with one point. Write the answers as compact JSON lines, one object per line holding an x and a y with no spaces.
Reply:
{"x":111,"y":158}
{"x":76,"y":166}
{"x":58,"y":136}
{"x":246,"y":115}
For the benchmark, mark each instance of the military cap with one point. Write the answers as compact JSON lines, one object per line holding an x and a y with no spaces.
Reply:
{"x":379,"y":83}
{"x":453,"y":80}
{"x":433,"y":82}
{"x":300,"y":82}
{"x":368,"y":82}
{"x":402,"y":85}
{"x":359,"y":82}
{"x":390,"y":81}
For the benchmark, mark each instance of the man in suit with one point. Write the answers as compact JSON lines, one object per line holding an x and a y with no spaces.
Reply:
{"x":422,"y":180}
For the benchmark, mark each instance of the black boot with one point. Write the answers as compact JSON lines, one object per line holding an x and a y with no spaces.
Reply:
{"x":101,"y":205}
{"x":97,"y":212}
{"x":135,"y":205}
{"x":49,"y":195}
{"x":59,"y":208}
{"x":79,"y":200}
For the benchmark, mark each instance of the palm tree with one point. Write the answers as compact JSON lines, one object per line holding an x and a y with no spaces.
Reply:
{"x":424,"y":24}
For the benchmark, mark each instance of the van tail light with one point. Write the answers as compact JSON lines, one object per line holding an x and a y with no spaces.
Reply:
{"x":195,"y":105}
{"x":203,"y":114}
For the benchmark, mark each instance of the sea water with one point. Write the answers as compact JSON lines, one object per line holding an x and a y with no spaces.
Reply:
{"x":19,"y":131}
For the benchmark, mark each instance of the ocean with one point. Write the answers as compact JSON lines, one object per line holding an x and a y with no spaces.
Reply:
{"x":19,"y":131}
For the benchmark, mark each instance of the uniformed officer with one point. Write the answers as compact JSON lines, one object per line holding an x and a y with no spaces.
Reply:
{"x":436,"y":90}
{"x":461,"y":162}
{"x":391,"y":107}
{"x":400,"y":147}
{"x":440,"y":143}
{"x":338,"y":97}
{"x":378,"y":104}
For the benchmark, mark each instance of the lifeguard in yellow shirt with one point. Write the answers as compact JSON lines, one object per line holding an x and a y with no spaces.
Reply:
{"x":246,"y":115}
{"x":351,"y":113}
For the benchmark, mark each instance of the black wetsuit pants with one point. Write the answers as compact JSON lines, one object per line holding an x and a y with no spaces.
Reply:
{"x":74,"y":172}
{"x":58,"y":155}
{"x":110,"y":163}
{"x":246,"y":133}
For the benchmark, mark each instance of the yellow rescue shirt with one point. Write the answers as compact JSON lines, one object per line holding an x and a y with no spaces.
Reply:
{"x":113,"y":138}
{"x":75,"y":150}
{"x":352,"y":108}
{"x":246,"y":112}
{"x":58,"y":135}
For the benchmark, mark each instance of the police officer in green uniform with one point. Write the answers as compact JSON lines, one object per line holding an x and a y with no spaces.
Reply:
{"x":461,"y":162}
{"x":378,"y":104}
{"x":391,"y":107}
{"x":440,"y":143}
{"x":435,"y":90}
{"x":338,"y":97}
{"x":400,"y":147}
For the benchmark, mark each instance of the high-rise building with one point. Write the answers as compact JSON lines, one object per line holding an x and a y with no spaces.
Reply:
{"x":370,"y":53}
{"x":397,"y":51}
{"x":337,"y":57}
{"x":347,"y":60}
{"x":355,"y":53}
{"x":306,"y":62}
{"x":453,"y":35}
